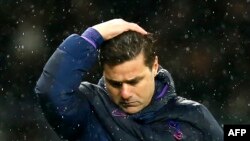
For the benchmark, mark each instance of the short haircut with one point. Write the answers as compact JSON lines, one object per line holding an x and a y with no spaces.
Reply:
{"x":126,"y":47}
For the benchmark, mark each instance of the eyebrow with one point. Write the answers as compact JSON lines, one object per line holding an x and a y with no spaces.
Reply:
{"x":136,"y":79}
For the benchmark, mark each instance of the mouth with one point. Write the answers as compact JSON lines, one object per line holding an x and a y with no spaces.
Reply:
{"x":129,"y":104}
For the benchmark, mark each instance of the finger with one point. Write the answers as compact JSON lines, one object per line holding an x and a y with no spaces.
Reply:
{"x":137,"y":28}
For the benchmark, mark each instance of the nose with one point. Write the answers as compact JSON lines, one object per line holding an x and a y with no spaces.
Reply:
{"x":125,"y":91}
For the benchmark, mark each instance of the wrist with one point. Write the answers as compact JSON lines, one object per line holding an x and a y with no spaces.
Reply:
{"x":93,"y":37}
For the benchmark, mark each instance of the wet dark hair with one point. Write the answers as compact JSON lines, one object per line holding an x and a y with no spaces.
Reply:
{"x":126,"y":47}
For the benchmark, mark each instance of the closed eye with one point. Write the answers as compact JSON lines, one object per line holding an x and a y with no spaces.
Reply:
{"x":115,"y":84}
{"x":133,"y":82}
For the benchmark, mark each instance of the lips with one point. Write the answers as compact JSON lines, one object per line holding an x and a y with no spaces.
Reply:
{"x":130,"y":104}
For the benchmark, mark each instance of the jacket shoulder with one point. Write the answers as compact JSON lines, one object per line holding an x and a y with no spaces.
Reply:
{"x":186,"y":102}
{"x":199,"y":116}
{"x":187,"y":105}
{"x":189,"y":110}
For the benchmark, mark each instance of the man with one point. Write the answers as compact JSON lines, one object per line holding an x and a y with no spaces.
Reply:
{"x":134,"y":100}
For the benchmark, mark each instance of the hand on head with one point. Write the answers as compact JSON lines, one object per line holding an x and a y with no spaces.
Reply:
{"x":114,"y":27}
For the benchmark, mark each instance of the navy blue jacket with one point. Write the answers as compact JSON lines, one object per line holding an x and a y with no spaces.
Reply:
{"x":82,"y":111}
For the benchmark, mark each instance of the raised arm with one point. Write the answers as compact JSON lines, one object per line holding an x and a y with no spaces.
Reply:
{"x":65,"y":107}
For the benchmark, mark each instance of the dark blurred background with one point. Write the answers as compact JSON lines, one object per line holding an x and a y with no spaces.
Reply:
{"x":204,"y":44}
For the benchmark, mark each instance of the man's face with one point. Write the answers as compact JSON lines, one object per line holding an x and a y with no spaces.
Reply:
{"x":131,"y":84}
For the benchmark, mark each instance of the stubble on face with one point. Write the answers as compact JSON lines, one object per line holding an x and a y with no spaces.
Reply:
{"x":136,"y":79}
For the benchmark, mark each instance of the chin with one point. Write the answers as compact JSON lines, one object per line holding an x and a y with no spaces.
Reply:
{"x":131,"y":110}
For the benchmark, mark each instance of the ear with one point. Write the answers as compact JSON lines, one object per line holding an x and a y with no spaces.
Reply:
{"x":155,"y":66}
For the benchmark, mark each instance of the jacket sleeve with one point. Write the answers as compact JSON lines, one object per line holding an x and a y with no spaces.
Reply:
{"x":64,"y":106}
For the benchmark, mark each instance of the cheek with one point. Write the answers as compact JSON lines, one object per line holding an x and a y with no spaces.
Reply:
{"x":144,"y":89}
{"x":113,"y":92}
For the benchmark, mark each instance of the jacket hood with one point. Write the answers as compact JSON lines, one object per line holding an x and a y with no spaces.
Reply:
{"x":164,"y":84}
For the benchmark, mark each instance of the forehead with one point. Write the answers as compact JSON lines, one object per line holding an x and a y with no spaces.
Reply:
{"x":127,"y":70}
